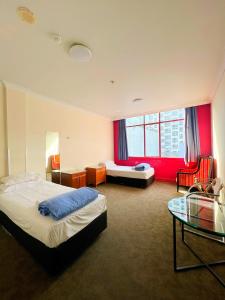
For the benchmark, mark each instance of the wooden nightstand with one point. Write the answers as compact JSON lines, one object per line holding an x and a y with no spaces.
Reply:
{"x":96,"y":175}
{"x":73,"y":178}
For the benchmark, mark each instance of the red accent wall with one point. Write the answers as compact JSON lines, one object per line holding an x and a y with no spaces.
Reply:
{"x":166,"y":168}
{"x":205,"y":129}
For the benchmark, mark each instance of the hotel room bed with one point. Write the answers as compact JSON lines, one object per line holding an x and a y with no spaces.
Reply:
{"x":128,"y":175}
{"x":53,"y":243}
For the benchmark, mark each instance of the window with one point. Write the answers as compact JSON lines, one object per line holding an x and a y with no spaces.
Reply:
{"x":135,"y":136}
{"x":135,"y":121}
{"x":172,"y":115}
{"x":176,"y":137}
{"x":152,"y":118}
{"x":152,"y":140}
{"x":159,"y":134}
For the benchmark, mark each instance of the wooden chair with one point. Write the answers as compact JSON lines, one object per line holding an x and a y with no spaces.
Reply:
{"x":55,"y":162}
{"x":202,"y":173}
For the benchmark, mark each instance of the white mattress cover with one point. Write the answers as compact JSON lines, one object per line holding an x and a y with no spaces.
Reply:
{"x":126,"y":171}
{"x":21,"y":206}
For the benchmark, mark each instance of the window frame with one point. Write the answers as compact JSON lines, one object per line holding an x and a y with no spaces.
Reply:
{"x":159,"y":122}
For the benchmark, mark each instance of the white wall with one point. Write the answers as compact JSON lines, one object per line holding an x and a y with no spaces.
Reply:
{"x":218,"y":117}
{"x":85,"y":138}
{"x":16,"y":130}
{"x":3,"y":142}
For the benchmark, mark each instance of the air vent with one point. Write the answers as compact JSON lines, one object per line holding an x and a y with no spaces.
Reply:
{"x":137,"y":100}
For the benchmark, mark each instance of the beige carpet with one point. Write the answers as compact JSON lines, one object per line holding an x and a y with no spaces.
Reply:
{"x":132,"y":259}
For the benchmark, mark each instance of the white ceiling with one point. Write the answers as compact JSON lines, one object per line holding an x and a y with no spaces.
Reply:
{"x":168,"y":52}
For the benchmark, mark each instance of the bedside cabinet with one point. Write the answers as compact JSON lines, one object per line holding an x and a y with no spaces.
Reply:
{"x":74,"y":178}
{"x":55,"y":176}
{"x":96,"y":175}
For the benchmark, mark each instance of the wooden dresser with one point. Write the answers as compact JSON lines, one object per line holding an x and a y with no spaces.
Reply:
{"x":96,"y":175}
{"x":74,"y":178}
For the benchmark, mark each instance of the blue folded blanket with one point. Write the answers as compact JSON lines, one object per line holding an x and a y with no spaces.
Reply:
{"x":62,"y":205}
{"x":142,"y":167}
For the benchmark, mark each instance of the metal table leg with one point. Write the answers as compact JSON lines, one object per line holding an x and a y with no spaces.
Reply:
{"x":203,"y":264}
{"x":174,"y":245}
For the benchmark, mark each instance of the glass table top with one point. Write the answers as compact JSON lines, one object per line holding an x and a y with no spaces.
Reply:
{"x":200,"y":213}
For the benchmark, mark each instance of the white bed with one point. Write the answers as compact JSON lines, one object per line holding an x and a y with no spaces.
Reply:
{"x":128,"y":175}
{"x":20,"y":204}
{"x":125,"y":171}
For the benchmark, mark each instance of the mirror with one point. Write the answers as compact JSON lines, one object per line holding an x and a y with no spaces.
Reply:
{"x":52,"y":157}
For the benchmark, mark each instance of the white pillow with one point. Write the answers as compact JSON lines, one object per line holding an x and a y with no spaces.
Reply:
{"x":109,"y":163}
{"x":19,"y":178}
{"x":7,"y":188}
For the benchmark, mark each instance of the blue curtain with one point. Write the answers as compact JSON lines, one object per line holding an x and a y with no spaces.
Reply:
{"x":122,"y":140}
{"x":192,"y":144}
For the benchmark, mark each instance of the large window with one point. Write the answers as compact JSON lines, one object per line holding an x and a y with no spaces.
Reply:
{"x":156,"y":135}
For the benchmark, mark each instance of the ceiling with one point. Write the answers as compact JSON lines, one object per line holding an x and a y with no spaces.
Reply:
{"x":169,"y":53}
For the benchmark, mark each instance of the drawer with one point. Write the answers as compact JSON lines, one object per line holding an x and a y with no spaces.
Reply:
{"x":65,"y":179}
{"x":100,"y":172}
{"x":77,"y":175}
{"x":96,"y":175}
{"x":82,"y":180}
{"x":91,"y":178}
{"x":100,"y":177}
{"x":75,"y":182}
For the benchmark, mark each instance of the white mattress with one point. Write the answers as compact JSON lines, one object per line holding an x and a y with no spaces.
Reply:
{"x":125,"y":171}
{"x":21,"y":206}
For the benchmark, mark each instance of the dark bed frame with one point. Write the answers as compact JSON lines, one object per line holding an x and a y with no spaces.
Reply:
{"x":135,"y":182}
{"x":55,"y":260}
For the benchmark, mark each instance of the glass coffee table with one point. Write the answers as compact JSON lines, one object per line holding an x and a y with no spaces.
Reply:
{"x":202,"y":215}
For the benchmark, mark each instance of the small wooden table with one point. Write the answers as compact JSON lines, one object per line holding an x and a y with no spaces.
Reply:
{"x":73,"y":178}
{"x":96,"y":175}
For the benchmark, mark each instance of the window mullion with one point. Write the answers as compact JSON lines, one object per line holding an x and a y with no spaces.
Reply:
{"x":159,"y":136}
{"x":144,"y":142}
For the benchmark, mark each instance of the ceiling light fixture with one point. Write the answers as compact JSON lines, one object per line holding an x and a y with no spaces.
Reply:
{"x":26,"y":15}
{"x":137,"y":100}
{"x":80,"y":53}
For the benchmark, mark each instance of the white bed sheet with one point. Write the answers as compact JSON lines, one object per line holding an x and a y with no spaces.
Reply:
{"x":126,"y":171}
{"x":21,"y":206}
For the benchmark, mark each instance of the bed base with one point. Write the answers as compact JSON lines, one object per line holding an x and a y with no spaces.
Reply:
{"x":135,"y":182}
{"x":55,"y":260}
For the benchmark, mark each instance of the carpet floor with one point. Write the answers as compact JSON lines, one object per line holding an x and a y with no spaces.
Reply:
{"x":131,"y":259}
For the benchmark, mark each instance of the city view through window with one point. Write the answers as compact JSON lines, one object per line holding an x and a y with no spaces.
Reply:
{"x":156,"y":135}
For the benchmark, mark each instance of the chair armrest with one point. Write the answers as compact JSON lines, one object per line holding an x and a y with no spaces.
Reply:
{"x":187,"y":169}
{"x":191,"y":172}
{"x":202,"y":193}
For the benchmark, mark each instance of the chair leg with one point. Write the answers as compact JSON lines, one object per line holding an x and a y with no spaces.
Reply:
{"x":177,"y":183}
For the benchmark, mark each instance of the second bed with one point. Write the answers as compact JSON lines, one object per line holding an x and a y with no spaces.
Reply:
{"x":128,"y":175}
